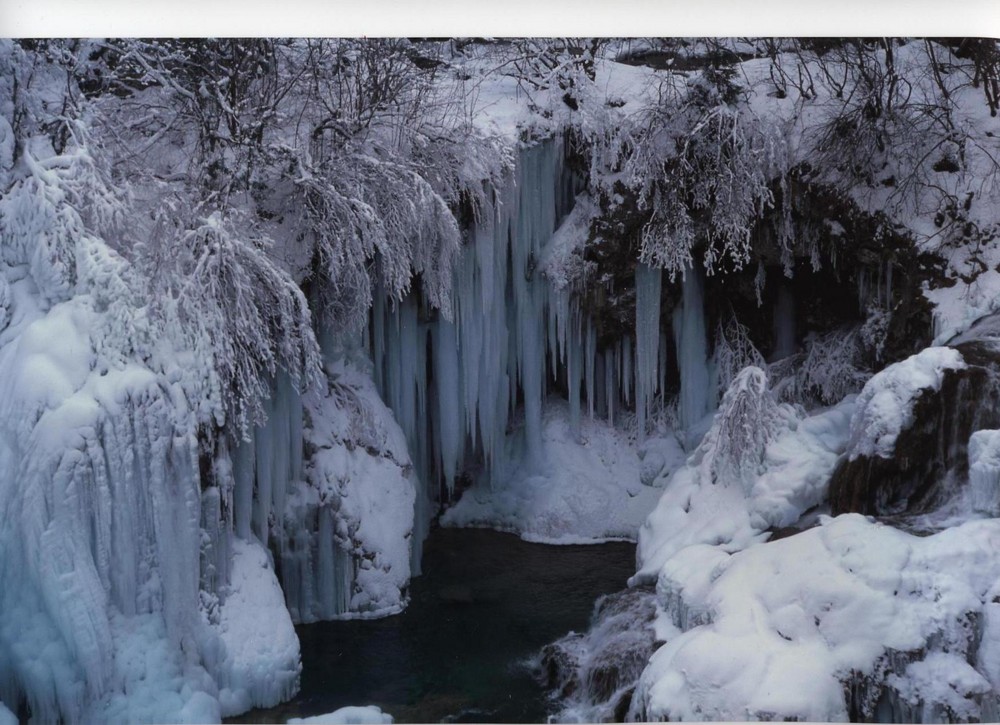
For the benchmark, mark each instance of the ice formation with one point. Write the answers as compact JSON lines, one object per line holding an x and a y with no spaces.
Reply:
{"x":647,"y":341}
{"x":517,"y":334}
{"x":697,"y":388}
{"x":984,"y":471}
{"x":117,"y":603}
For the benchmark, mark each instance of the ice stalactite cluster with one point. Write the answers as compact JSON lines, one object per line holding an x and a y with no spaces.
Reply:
{"x":517,"y":335}
{"x":462,"y":379}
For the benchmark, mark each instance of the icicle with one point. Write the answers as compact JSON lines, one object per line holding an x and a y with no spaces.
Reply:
{"x":591,"y":363}
{"x":647,"y":340}
{"x":574,"y":374}
{"x":628,"y":369}
{"x":664,"y":351}
{"x":449,"y":423}
{"x":244,"y":473}
{"x":984,"y":471}
{"x":692,"y":354}
{"x":610,"y":389}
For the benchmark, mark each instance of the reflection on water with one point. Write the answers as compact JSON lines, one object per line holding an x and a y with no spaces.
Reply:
{"x":487,"y":602}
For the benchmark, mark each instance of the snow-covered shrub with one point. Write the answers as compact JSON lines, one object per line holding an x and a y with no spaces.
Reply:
{"x":833,"y":366}
{"x":734,"y":351}
{"x":875,"y":329}
{"x":747,"y":420}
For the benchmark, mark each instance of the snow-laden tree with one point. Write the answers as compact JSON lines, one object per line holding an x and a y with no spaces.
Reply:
{"x":700,"y":164}
{"x":354,"y":156}
{"x":218,"y":290}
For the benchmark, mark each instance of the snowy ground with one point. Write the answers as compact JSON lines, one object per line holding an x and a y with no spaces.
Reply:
{"x":589,"y":487}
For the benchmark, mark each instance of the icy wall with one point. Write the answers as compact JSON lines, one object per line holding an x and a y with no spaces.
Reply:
{"x":116,"y":602}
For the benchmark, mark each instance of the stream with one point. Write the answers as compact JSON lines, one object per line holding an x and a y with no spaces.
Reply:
{"x":461,"y":651}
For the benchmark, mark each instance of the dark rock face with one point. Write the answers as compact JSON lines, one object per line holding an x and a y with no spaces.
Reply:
{"x":931,"y":456}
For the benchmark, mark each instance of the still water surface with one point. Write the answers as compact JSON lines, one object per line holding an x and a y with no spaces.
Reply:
{"x":485,"y":605}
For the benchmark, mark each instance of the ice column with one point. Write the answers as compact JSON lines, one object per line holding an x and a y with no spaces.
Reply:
{"x":647,"y":339}
{"x":692,"y":352}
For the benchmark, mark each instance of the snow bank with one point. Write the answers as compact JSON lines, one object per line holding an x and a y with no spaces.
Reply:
{"x":587,"y":489}
{"x":885,"y":405}
{"x":367,"y":715}
{"x":790,"y":477}
{"x":852,"y":606}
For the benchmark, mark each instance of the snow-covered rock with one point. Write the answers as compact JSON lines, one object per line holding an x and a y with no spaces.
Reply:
{"x":594,"y":673}
{"x":885,"y":405}
{"x":360,"y":489}
{"x":833,"y":622}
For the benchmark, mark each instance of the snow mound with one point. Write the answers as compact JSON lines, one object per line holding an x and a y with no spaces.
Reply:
{"x":588,"y":488}
{"x":261,"y":669}
{"x":885,"y":404}
{"x":831,"y":623}
{"x":367,"y":715}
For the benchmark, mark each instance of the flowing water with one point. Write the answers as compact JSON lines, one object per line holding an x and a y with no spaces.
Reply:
{"x":485,"y":605}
